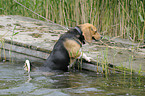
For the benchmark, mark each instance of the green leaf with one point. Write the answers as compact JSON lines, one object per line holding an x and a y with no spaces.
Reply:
{"x":141,"y":18}
{"x":15,"y":33}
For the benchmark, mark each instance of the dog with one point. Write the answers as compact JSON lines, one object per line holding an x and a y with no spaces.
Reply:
{"x":68,"y":48}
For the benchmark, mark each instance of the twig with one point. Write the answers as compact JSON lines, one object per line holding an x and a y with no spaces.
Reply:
{"x":128,"y":16}
{"x":103,"y":43}
{"x":3,"y":35}
{"x":115,"y":37}
{"x":111,"y":46}
{"x":39,"y":15}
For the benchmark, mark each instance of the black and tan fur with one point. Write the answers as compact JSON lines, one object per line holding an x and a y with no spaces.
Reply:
{"x":67,"y":48}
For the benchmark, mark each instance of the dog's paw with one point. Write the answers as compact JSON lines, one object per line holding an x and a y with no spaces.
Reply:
{"x":89,"y":59}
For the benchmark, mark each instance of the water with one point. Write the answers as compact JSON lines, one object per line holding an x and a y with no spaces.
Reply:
{"x":14,"y":81}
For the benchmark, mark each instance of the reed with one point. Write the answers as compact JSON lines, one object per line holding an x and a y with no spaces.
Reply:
{"x":4,"y":52}
{"x":124,"y":18}
{"x":2,"y":47}
{"x":0,"y":51}
{"x":104,"y":62}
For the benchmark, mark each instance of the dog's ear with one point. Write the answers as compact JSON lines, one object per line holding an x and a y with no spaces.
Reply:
{"x":87,"y":34}
{"x":89,"y":31}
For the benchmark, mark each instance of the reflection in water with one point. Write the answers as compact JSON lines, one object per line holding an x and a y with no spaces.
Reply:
{"x":14,"y":81}
{"x":29,"y":78}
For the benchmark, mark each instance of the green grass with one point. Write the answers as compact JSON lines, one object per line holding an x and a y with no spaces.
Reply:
{"x":2,"y":41}
{"x":124,"y":18}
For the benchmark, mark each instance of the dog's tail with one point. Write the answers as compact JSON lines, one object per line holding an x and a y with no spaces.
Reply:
{"x":27,"y":66}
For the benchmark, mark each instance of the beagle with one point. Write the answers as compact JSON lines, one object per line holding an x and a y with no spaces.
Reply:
{"x":68,"y":48}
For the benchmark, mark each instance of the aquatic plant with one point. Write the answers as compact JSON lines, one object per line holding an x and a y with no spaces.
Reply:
{"x":2,"y":47}
{"x":2,"y":40}
{"x":114,"y":18}
{"x":140,"y":70}
{"x":104,"y":62}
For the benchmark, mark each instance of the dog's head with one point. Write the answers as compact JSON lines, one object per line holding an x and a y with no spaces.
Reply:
{"x":89,"y":32}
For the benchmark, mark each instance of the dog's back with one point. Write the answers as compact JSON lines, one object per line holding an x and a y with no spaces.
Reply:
{"x":59,"y":57}
{"x":67,"y":48}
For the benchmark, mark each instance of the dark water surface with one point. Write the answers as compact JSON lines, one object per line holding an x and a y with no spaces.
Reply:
{"x":14,"y":81}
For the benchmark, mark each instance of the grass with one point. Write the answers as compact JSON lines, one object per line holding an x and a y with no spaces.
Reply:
{"x":124,"y":18}
{"x":2,"y":48}
{"x":115,"y":18}
{"x":121,"y":68}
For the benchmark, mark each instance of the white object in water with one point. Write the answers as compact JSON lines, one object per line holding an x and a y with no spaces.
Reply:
{"x":27,"y":66}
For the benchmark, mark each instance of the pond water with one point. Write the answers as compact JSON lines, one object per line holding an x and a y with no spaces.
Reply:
{"x":14,"y":81}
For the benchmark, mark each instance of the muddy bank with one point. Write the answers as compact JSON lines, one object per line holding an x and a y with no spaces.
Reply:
{"x":34,"y":39}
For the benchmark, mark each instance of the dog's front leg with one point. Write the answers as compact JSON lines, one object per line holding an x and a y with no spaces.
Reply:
{"x":72,"y":62}
{"x":84,"y":56}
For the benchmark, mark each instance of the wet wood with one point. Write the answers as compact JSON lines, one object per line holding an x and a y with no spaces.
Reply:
{"x":26,"y":38}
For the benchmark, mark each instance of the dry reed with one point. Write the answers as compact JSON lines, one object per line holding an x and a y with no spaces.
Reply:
{"x":124,"y":18}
